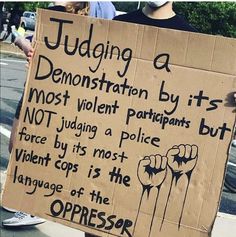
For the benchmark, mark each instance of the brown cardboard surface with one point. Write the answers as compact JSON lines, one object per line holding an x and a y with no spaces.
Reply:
{"x":130,"y":142}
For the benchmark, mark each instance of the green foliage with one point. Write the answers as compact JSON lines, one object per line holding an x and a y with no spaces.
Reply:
{"x":25,"y":6}
{"x":217,"y":18}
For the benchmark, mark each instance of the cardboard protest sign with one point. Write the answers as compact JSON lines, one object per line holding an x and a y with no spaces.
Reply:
{"x":124,"y":128}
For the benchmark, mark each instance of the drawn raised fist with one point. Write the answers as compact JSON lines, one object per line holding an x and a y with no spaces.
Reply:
{"x":182,"y":158}
{"x":152,"y":170}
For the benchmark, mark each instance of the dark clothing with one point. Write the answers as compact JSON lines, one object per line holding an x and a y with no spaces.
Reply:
{"x":57,"y":8}
{"x":18,"y":109}
{"x":15,"y":18}
{"x":90,"y":235}
{"x":176,"y":22}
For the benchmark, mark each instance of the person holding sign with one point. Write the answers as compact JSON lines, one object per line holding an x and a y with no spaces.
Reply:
{"x":177,"y":160}
{"x":104,"y":10}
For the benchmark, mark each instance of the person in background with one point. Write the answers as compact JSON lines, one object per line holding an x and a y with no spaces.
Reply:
{"x":104,"y":10}
{"x":157,"y":13}
{"x":14,"y":21}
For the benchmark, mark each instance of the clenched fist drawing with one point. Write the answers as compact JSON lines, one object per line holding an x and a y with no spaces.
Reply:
{"x":182,"y":159}
{"x":152,"y":170}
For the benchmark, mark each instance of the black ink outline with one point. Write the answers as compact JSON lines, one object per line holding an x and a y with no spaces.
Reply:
{"x":176,"y":175}
{"x":147,"y":188}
